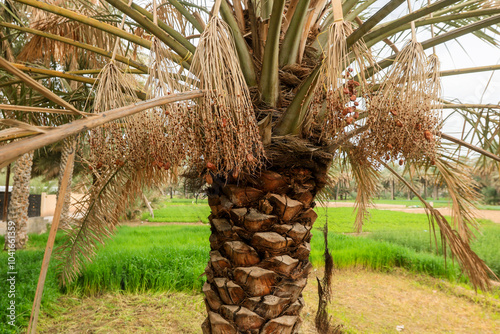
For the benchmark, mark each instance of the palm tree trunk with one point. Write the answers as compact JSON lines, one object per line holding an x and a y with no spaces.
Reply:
{"x":19,"y":199}
{"x":260,"y":245}
{"x":67,"y":148}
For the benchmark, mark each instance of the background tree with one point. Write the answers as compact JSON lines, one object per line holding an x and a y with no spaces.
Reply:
{"x":19,"y":199}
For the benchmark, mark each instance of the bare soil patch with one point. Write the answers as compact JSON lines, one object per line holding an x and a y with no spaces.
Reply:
{"x":364,"y":302}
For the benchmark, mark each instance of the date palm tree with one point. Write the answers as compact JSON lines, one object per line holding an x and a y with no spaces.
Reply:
{"x":263,"y":96}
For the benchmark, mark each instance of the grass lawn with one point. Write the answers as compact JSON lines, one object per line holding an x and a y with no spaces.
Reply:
{"x":186,"y":210}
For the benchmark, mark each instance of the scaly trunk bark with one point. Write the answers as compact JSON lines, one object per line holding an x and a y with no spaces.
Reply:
{"x":19,"y":199}
{"x":260,"y":244}
{"x":65,"y":215}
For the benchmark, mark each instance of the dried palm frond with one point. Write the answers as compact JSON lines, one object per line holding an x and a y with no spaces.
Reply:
{"x":125,"y":157}
{"x":323,"y":321}
{"x":223,"y":128}
{"x":367,"y":179}
{"x":475,"y":268}
{"x":39,"y":48}
{"x":112,"y":190}
{"x":342,"y":93}
{"x":108,"y":144}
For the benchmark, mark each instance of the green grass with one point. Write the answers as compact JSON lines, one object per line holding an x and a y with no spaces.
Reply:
{"x":341,"y":218}
{"x":488,"y":207}
{"x":486,"y":245}
{"x":148,"y":258}
{"x":441,"y":203}
{"x":184,"y":211}
{"x":180,"y":214}
{"x":349,"y":251}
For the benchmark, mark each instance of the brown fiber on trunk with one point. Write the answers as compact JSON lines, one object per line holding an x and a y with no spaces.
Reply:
{"x":260,"y":242}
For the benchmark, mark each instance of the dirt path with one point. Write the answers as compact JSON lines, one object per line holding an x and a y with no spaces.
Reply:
{"x":493,"y":215}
